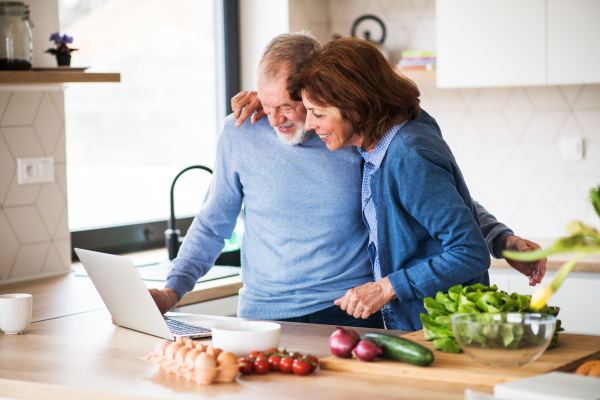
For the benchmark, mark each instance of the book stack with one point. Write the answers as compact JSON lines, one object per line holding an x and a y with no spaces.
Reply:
{"x":415,"y":60}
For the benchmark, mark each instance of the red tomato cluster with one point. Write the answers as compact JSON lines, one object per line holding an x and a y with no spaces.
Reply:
{"x":275,"y":360}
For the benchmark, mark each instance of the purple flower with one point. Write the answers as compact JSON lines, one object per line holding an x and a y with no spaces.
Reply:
{"x":61,"y":44}
{"x":66,"y":39}
{"x":55,"y":37}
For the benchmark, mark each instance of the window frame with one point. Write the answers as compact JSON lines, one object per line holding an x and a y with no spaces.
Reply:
{"x":150,"y":235}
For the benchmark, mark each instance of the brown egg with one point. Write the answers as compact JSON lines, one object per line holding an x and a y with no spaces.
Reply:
{"x":189,"y":343}
{"x":181,"y":353}
{"x":160,"y":347}
{"x":171,"y":350}
{"x":180,"y":340}
{"x":190,"y":357}
{"x":213,"y":352}
{"x":200,"y":346}
{"x":205,"y":368}
{"x":228,"y":367}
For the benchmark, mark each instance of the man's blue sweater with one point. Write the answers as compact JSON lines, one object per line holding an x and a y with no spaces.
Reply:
{"x":304,"y":243}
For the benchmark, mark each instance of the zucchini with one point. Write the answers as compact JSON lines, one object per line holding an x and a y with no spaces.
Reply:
{"x":399,"y":349}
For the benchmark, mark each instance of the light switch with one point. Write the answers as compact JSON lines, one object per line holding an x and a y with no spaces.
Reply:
{"x":571,"y":148}
{"x":35,"y":170}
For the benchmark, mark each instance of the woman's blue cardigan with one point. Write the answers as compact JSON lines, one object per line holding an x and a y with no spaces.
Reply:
{"x":428,"y":235}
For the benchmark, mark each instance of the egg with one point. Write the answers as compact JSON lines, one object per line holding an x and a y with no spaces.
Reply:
{"x":212,"y":351}
{"x":181,"y":353}
{"x":205,"y":368}
{"x":200,"y":347}
{"x":189,"y":343}
{"x":160,"y":347}
{"x":172,"y":349}
{"x":190,"y":357}
{"x":228,"y":367}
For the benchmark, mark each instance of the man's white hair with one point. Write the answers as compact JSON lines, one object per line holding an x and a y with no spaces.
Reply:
{"x":285,"y":53}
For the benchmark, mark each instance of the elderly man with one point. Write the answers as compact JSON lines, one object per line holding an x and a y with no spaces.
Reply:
{"x":305,"y":243}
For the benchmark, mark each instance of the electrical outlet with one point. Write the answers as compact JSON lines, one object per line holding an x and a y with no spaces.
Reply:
{"x":571,"y":148}
{"x":35,"y":170}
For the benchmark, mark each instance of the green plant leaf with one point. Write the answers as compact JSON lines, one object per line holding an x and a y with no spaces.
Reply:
{"x":595,"y":199}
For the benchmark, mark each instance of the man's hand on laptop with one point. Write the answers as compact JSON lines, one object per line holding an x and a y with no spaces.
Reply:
{"x":165,"y":299}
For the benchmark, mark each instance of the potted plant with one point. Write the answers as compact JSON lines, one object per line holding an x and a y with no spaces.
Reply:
{"x":62,"y":51}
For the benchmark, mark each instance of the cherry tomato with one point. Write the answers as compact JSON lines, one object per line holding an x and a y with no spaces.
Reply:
{"x":301,"y":366}
{"x":274,"y":361}
{"x":254,"y":354}
{"x":246,"y":369}
{"x":261,"y":366}
{"x":296,"y":355}
{"x":272,"y":351}
{"x":285,"y":365}
{"x":313,"y":361}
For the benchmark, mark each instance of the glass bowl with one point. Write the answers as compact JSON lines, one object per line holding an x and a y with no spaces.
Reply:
{"x":503,"y":340}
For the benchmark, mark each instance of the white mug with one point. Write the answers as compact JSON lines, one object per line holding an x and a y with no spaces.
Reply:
{"x":15,"y":312}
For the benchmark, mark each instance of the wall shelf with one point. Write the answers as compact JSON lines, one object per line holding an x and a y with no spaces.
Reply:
{"x":44,"y":77}
{"x":420,"y":76}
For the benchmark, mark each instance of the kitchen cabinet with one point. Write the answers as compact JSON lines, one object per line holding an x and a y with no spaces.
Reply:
{"x":573,"y":42}
{"x":576,"y":297}
{"x":517,"y":43}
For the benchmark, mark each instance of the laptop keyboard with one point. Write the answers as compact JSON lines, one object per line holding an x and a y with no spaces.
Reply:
{"x":179,"y":328}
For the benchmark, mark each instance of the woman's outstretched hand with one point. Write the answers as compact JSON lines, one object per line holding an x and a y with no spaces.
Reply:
{"x":367,"y":299}
{"x":245,"y":104}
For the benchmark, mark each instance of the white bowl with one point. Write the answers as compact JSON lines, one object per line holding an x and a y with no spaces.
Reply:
{"x":240,"y":338}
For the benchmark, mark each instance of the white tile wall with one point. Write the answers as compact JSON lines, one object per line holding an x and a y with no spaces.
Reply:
{"x":34,"y":230}
{"x":506,"y":140}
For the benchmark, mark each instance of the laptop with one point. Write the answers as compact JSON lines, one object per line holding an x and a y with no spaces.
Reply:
{"x":128,"y":300}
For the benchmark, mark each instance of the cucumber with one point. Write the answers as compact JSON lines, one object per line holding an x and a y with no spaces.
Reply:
{"x":399,"y":349}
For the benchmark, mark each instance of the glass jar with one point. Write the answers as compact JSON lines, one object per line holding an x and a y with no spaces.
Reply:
{"x":16,"y":49}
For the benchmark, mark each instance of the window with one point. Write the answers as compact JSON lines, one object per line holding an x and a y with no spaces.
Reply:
{"x":126,"y":142}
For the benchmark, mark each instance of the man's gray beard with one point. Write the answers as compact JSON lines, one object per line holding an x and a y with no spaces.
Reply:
{"x":295,"y":138}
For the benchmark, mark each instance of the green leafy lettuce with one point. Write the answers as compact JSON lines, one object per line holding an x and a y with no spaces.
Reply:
{"x":478,"y":299}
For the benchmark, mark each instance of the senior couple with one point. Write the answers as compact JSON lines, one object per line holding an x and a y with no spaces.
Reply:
{"x":354,"y":207}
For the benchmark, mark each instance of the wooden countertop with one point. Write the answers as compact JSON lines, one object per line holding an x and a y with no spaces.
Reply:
{"x":70,"y":294}
{"x":86,"y":356}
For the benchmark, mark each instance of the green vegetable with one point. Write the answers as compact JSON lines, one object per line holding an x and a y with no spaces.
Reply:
{"x":583,"y":240}
{"x":400,"y":349}
{"x":478,"y":299}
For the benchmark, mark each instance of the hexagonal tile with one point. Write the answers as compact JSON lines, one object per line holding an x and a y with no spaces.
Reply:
{"x":397,"y":39}
{"x":589,"y":97}
{"x":315,"y":12}
{"x":30,"y":260}
{"x":589,"y":122}
{"x":27,"y":224}
{"x":493,"y":127}
{"x":518,"y":111}
{"x":494,"y":158}
{"x":347,"y":11}
{"x":9,"y":246}
{"x":450,"y":123}
{"x":50,"y":204}
{"x":519,"y":175}
{"x":422,"y":37}
{"x":547,"y":98}
{"x":60,"y":151}
{"x":62,"y":229}
{"x":544,"y":158}
{"x":591,"y":160}
{"x":546,"y":191}
{"x":491,"y":99}
{"x":446,"y":99}
{"x":53,"y":262}
{"x":401,"y":10}
{"x":58,"y":98}
{"x":544,"y":126}
{"x":490,"y":195}
{"x":21,"y":108}
{"x":425,"y":8}
{"x":21,"y":194}
{"x":467,"y":146}
{"x":47,"y":125}
{"x":572,"y":204}
{"x":23,"y":142}
{"x":4,"y":96}
{"x":63,"y":249}
{"x":538,"y":222}
{"x":60,"y":174}
{"x":570,"y":92}
{"x":7,"y":168}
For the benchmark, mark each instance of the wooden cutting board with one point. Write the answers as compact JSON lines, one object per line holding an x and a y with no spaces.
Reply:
{"x":572,"y":351}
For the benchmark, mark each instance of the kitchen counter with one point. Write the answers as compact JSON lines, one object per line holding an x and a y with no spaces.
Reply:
{"x":86,"y":356}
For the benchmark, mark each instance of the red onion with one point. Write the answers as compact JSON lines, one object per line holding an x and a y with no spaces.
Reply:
{"x":343,"y":341}
{"x":366,"y":350}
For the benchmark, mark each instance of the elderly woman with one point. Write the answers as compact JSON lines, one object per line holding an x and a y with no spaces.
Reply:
{"x":423,"y":227}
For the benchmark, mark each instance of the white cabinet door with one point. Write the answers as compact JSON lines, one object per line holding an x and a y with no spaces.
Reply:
{"x":491,"y":43}
{"x":573,"y":41}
